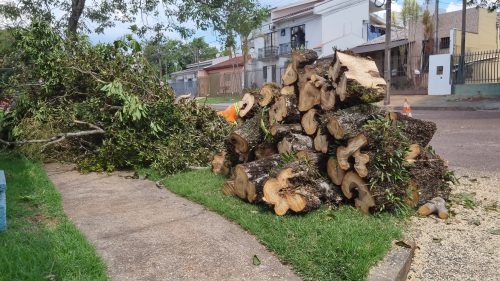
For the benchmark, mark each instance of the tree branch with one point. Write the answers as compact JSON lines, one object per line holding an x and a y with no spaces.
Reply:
{"x":59,"y":137}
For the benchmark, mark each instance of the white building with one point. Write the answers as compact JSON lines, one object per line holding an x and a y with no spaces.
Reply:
{"x":321,"y":25}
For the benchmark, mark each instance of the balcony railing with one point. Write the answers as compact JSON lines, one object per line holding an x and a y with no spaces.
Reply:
{"x":268,"y":52}
{"x":287,"y":48}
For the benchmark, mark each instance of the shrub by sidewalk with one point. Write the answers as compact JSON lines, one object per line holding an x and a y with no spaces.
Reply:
{"x":40,"y":242}
{"x":328,"y":244}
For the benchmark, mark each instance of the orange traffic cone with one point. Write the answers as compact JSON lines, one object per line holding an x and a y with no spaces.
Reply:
{"x":406,"y":108}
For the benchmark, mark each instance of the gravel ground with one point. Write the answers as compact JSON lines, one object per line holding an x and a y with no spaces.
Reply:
{"x":467,"y":245}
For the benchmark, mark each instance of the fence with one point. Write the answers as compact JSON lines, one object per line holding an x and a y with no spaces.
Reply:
{"x":220,"y":84}
{"x":257,"y":78}
{"x":479,"y":68}
{"x":184,"y":87}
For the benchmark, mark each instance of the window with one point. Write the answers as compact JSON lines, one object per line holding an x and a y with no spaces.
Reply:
{"x":283,"y":32}
{"x":264,"y":73}
{"x":298,"y":37}
{"x":270,"y":40}
{"x":273,"y":73}
{"x":444,"y":43}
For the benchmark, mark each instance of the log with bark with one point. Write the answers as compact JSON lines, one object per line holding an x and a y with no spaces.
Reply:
{"x":295,"y":143}
{"x":279,"y":131}
{"x":247,"y":136}
{"x":284,"y":110}
{"x":249,"y":177}
{"x":353,"y":182}
{"x":417,"y":130}
{"x":344,"y":152}
{"x":347,"y":123}
{"x":358,"y":79}
{"x":268,"y":93}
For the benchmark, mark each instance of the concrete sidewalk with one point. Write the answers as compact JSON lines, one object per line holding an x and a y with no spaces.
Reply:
{"x":146,"y":233}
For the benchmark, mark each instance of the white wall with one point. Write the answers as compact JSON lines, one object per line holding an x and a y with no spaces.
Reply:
{"x":342,"y":23}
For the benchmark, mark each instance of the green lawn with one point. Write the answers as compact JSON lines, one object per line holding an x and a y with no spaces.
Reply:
{"x":212,"y":100}
{"x":41,"y":243}
{"x":328,"y":244}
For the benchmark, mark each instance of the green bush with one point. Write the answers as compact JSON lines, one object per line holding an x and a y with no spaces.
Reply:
{"x":58,"y":80}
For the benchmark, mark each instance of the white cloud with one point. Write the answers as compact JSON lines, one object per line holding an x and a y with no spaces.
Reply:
{"x":453,"y":6}
{"x":396,"y":7}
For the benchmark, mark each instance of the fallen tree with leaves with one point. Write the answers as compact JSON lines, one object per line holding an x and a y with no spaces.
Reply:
{"x":327,"y":143}
{"x":100,"y":106}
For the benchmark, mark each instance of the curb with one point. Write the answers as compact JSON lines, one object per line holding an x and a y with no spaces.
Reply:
{"x":396,"y":264}
{"x":449,"y":108}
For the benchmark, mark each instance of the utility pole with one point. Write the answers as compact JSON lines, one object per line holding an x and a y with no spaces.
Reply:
{"x":462,"y":44}
{"x":436,"y":27}
{"x":387,"y":55}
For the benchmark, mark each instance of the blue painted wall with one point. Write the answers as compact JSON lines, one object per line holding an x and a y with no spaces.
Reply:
{"x":477,"y":89}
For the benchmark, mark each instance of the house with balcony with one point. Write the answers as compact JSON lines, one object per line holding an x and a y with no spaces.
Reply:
{"x":321,"y":25}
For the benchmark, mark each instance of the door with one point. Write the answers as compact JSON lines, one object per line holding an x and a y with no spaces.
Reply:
{"x":439,"y":75}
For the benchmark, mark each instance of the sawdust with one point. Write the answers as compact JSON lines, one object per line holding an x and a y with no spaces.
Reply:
{"x":467,"y":245}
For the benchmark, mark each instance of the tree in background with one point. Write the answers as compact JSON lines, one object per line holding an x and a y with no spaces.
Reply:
{"x":488,"y":4}
{"x":409,"y":17}
{"x":170,"y":55}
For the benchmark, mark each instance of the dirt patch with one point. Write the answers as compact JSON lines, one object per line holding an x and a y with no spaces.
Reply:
{"x":41,"y":219}
{"x":466,"y":246}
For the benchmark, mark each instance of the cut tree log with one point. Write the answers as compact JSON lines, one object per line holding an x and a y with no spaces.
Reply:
{"x":264,"y":150}
{"x":290,"y":76}
{"x":288,"y":90}
{"x":284,"y":109}
{"x":279,"y":131}
{"x":219,"y":164}
{"x":360,"y":81}
{"x":298,"y":188}
{"x":309,"y":122}
{"x":301,"y":58}
{"x":347,"y":123}
{"x":295,"y":143}
{"x":246,"y":104}
{"x":414,"y":152}
{"x":268,"y":93}
{"x":327,"y":98}
{"x":228,"y":188}
{"x":360,"y":160}
{"x":335,"y":173}
{"x":352,"y":181}
{"x":435,"y":206}
{"x":249,"y":177}
{"x":247,"y":136}
{"x":309,"y":96}
{"x":321,"y":142}
{"x":417,"y":130}
{"x":343,"y":152}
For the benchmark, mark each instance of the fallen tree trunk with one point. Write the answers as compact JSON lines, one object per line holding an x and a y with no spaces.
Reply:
{"x":309,"y":96}
{"x":348,"y":123}
{"x":344,"y":152}
{"x":279,"y":131}
{"x":268,"y":93}
{"x":309,"y":122}
{"x":249,"y":178}
{"x":418,"y":131}
{"x":295,"y":143}
{"x":247,"y":136}
{"x":364,"y":200}
{"x":284,"y":110}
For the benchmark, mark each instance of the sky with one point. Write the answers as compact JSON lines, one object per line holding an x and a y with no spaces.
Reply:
{"x":120,"y":29}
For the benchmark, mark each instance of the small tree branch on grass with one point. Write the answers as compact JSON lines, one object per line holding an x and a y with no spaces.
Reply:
{"x":59,"y":137}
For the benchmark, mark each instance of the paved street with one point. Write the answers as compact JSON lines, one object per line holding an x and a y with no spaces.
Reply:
{"x":467,"y":139}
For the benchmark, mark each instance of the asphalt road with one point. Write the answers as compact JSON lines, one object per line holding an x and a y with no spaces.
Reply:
{"x":467,"y":139}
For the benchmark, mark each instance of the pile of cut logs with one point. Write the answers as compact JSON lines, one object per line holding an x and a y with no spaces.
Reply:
{"x":306,"y":143}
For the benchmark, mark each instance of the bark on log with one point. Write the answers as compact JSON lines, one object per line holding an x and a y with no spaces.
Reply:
{"x":301,"y":58}
{"x":264,"y":150}
{"x":327,"y":98}
{"x":347,"y":123}
{"x":352,"y":181}
{"x":295,"y":142}
{"x":249,"y":178}
{"x":417,"y":131}
{"x":247,"y":136}
{"x":309,"y":122}
{"x":360,"y":80}
{"x":343,"y":153}
{"x":228,"y":188}
{"x":284,"y":110}
{"x":219,"y":164}
{"x":279,"y":131}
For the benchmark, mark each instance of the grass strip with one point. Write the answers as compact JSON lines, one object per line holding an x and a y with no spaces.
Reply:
{"x":327,"y":244}
{"x":40,"y":242}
